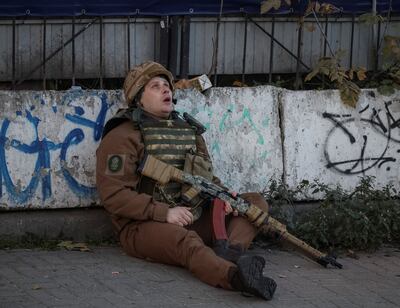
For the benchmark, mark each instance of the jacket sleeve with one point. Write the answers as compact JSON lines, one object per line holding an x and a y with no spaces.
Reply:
{"x":117,"y":178}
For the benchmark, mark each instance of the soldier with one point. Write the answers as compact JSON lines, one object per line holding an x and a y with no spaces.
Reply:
{"x":151,"y":222}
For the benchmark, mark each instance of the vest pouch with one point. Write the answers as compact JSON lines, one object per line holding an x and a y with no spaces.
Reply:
{"x":196,"y":165}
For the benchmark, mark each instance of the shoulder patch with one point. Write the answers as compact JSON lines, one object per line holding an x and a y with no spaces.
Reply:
{"x":115,"y":164}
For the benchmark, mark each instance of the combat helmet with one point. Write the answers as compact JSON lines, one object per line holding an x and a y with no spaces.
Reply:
{"x":140,"y":75}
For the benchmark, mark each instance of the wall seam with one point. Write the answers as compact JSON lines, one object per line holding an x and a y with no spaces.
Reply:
{"x":281,"y":118}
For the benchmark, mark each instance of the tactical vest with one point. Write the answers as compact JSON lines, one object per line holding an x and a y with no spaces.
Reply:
{"x":169,"y":141}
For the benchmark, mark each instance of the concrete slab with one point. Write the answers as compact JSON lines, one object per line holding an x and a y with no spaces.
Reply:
{"x":243,"y":133}
{"x":336,"y":144}
{"x":47,"y":145}
{"x":107,"y":277}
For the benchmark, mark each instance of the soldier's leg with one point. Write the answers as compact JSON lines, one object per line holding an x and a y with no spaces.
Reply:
{"x":240,"y":231}
{"x":171,"y":244}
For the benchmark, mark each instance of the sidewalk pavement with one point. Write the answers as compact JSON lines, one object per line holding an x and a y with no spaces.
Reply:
{"x":106,"y":277}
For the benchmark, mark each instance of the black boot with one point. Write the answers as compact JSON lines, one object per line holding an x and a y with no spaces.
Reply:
{"x":228,"y":252}
{"x":249,"y":277}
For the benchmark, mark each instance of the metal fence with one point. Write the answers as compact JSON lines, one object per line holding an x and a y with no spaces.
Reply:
{"x":105,"y":48}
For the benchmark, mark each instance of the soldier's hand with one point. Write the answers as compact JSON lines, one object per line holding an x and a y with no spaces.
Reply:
{"x":180,"y":216}
{"x":228,"y":208}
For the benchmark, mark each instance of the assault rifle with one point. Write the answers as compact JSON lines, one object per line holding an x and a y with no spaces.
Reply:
{"x":164,"y":173}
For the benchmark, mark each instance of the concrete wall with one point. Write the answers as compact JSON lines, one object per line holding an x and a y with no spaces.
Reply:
{"x":335,"y":144}
{"x":243,"y":133}
{"x":48,"y":140}
{"x":47,"y":145}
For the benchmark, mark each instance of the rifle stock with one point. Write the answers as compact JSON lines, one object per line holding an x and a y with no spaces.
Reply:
{"x":164,"y":173}
{"x":160,"y":171}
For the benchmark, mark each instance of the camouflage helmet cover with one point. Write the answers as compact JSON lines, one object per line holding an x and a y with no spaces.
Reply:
{"x":140,"y":75}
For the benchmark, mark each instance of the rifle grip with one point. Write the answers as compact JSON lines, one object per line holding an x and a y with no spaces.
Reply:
{"x":218,"y":219}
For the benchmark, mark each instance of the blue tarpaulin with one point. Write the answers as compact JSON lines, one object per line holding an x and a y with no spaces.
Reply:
{"x":41,"y":8}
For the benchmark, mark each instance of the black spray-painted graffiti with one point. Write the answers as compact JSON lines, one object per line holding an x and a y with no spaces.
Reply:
{"x":43,"y":147}
{"x":371,"y":150}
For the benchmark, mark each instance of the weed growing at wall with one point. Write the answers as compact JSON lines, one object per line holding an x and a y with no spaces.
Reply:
{"x":27,"y":241}
{"x":33,"y":241}
{"x":363,"y":219}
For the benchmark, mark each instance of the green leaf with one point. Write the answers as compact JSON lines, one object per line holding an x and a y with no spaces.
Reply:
{"x":387,"y":81}
{"x":370,"y":19}
{"x":386,"y":90}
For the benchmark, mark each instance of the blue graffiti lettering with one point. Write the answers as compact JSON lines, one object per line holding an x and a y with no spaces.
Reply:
{"x":16,"y":194}
{"x":73,"y":138}
{"x":96,"y":125}
{"x":43,"y":148}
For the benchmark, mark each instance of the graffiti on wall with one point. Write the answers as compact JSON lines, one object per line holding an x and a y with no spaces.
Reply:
{"x":43,"y":148}
{"x":369,"y":140}
{"x":243,"y":135}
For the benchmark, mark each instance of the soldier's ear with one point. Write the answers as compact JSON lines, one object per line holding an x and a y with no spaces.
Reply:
{"x":138,"y":97}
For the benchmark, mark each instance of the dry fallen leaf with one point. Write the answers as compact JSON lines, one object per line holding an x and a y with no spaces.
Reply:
{"x":352,"y":254}
{"x":69,"y":245}
{"x":361,"y":74}
{"x":310,"y":27}
{"x":182,"y":84}
{"x":238,"y":83}
{"x":267,"y":5}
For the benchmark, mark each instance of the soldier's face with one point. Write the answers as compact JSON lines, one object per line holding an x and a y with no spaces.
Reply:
{"x":157,"y":97}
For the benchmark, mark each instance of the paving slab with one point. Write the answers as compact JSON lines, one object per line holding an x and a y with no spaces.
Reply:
{"x":106,"y":277}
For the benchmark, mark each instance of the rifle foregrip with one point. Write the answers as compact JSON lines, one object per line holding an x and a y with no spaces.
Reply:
{"x":256,"y":215}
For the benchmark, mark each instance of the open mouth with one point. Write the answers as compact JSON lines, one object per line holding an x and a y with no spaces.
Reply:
{"x":167,"y":100}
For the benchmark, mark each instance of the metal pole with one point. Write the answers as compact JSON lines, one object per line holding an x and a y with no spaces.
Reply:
{"x":326,"y":35}
{"x":352,"y":41}
{"x":173,"y":45}
{"x":101,"y":52}
{"x":271,"y":51}
{"x":378,"y":38}
{"x":299,"y":44}
{"x":55,"y":52}
{"x":374,"y":33}
{"x":185,"y":45}
{"x":129,"y":42}
{"x":325,"y":45}
{"x":216,"y":44}
{"x":73,"y":51}
{"x":164,"y":40}
{"x":244,"y":50}
{"x":44,"y":53}
{"x":323,"y":33}
{"x":13,"y":53}
{"x":279,"y":43}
